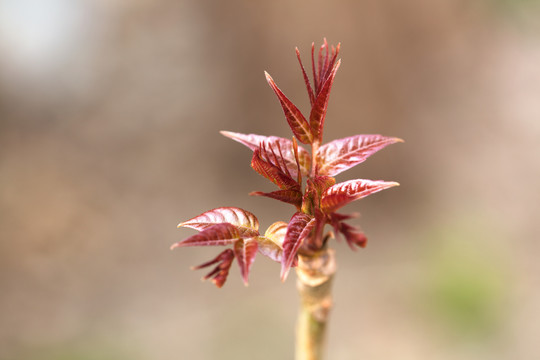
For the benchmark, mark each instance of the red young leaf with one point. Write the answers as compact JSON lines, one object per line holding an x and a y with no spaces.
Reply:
{"x":353,"y":236}
{"x":298,"y":229}
{"x":253,"y":142}
{"x":314,"y":69}
{"x":325,"y":63}
{"x":276,"y":232}
{"x":219,"y":234}
{"x":271,"y":169}
{"x":329,"y":61}
{"x":318,"y":111}
{"x":274,"y":155}
{"x":270,"y":249}
{"x":245,"y":221}
{"x":306,"y":79}
{"x":220,"y":272}
{"x":337,"y":217}
{"x":342,"y":154}
{"x":270,"y":245}
{"x":245,"y":251}
{"x":341,"y":194}
{"x":321,"y":183}
{"x":320,"y":65}
{"x":297,"y":121}
{"x":293,"y":197}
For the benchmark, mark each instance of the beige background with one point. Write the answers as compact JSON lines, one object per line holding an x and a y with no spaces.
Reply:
{"x":109,"y":120}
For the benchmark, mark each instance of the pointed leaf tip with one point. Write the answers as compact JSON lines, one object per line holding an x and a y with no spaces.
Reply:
{"x":297,"y":122}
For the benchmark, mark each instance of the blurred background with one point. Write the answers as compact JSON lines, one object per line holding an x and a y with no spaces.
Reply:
{"x":109,"y":120}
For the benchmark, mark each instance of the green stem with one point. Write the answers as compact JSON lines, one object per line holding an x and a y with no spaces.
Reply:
{"x":314,"y":282}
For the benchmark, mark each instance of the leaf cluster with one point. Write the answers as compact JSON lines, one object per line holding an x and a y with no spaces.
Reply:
{"x":287,"y":164}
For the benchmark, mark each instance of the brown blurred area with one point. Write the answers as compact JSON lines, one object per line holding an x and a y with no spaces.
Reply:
{"x":109,"y":120}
